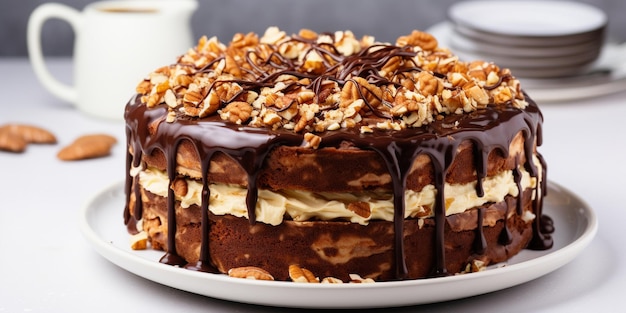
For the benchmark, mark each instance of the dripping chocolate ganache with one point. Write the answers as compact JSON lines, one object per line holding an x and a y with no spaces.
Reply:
{"x":344,"y":159}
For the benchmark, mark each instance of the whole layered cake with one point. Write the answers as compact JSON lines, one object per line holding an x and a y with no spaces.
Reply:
{"x":324,"y":157}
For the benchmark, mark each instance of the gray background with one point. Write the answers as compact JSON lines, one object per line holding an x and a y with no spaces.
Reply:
{"x":385,"y":19}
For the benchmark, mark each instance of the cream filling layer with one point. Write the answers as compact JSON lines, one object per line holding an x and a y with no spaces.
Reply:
{"x":273,"y":206}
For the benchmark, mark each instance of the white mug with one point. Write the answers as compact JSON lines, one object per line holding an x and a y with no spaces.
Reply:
{"x":117,"y":43}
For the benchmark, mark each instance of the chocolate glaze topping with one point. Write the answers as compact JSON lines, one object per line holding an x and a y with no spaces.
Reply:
{"x":490,"y":128}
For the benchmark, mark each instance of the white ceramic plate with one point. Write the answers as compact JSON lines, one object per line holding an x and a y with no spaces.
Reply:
{"x":547,"y":72}
{"x":465,"y":43}
{"x":575,"y":222}
{"x":526,"y":41}
{"x":528,"y":18}
{"x":535,"y":67}
{"x":606,"y":75}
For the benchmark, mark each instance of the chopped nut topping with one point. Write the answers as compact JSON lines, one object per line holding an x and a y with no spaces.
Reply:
{"x":312,"y":140}
{"x":311,"y":83}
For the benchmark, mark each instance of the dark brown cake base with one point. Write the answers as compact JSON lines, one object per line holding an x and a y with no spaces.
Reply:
{"x":338,"y":248}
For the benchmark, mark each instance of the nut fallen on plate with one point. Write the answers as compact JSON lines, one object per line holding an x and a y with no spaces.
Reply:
{"x":16,"y":137}
{"x":301,"y":275}
{"x":250,"y":272}
{"x":87,"y":147}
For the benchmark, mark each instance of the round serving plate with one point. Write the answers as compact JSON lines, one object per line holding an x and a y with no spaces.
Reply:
{"x":523,"y":62}
{"x":606,"y":75}
{"x":528,"y":67}
{"x":557,"y":72}
{"x":529,"y":41}
{"x":589,"y":49}
{"x":538,"y":19}
{"x":575,"y":226}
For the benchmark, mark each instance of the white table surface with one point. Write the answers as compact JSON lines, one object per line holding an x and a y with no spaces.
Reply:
{"x":47,"y":266}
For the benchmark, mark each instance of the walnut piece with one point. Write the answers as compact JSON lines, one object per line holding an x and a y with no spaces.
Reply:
{"x":237,"y":112}
{"x":360,"y":208}
{"x":87,"y":147}
{"x":250,"y":272}
{"x":312,"y":140}
{"x":179,"y":185}
{"x":301,"y":275}
{"x":356,"y":278}
{"x":30,"y":133}
{"x":417,"y":38}
{"x":12,"y":142}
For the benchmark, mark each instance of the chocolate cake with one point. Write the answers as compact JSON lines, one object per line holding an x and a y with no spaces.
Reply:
{"x":323,"y":157}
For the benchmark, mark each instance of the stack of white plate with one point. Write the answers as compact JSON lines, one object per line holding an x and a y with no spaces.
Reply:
{"x":535,"y":39}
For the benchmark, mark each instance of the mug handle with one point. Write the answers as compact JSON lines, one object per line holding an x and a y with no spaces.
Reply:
{"x":35,"y":24}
